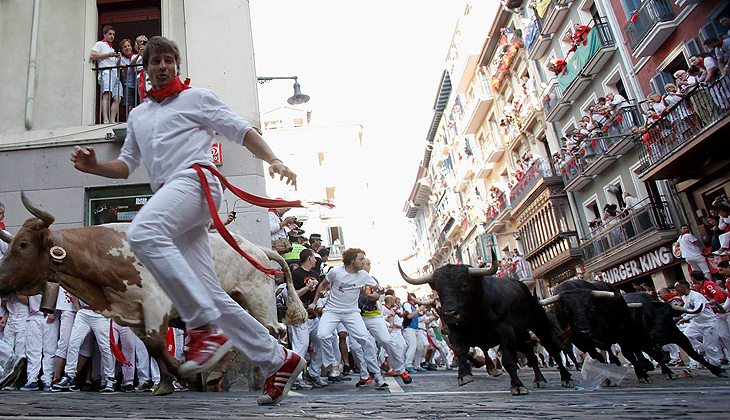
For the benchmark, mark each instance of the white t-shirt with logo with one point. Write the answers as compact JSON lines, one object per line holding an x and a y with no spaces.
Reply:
{"x":688,"y":247}
{"x":345,"y":289}
{"x":65,"y":300}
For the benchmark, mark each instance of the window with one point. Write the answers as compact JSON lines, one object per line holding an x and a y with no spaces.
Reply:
{"x":665,"y":74}
{"x":591,"y":208}
{"x":614,"y":193}
{"x":335,"y":235}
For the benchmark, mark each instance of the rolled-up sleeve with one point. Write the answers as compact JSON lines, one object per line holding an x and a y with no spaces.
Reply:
{"x":217,"y":116}
{"x":130,"y":154}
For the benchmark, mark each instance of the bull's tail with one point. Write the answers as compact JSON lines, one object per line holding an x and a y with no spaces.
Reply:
{"x":296,"y":314}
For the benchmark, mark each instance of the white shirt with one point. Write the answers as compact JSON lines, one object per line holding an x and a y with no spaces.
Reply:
{"x":277,"y":232}
{"x":16,"y":307}
{"x":391,"y":318}
{"x":172,"y":135}
{"x":34,"y":305}
{"x":687,"y":246}
{"x":693,"y":301}
{"x":3,"y":246}
{"x":103,"y":48}
{"x":65,"y":300}
{"x":345,"y":289}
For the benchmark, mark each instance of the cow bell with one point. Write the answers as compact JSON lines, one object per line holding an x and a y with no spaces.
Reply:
{"x":49,"y":297}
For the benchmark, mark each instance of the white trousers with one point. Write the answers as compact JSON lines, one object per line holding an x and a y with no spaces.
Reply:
{"x":413,"y":348}
{"x":87,"y":321}
{"x":444,"y":349}
{"x":14,"y":335}
{"x":41,"y":339}
{"x":379,"y":330}
{"x":723,"y":333}
{"x":673,"y":350}
{"x":126,"y":339}
{"x":147,"y":368}
{"x":358,"y":354}
{"x":699,"y":263}
{"x":703,"y":337}
{"x":355,"y":329}
{"x":170,"y":237}
{"x":66,"y":318}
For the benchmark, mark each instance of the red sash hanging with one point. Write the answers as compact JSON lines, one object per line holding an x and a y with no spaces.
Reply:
{"x":248,"y":197}
{"x":116,"y":351}
{"x":170,"y":341}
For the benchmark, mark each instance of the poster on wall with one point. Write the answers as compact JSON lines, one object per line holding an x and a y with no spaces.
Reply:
{"x":115,"y":209}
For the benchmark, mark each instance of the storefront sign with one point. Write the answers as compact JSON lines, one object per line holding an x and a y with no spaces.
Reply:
{"x":115,"y":209}
{"x":217,"y":151}
{"x":639,"y":266}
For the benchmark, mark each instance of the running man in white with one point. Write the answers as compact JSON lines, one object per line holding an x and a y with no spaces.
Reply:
{"x":170,"y":131}
{"x":347,"y":283}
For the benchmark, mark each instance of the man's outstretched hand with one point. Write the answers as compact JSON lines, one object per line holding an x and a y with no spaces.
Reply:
{"x":84,"y":159}
{"x":284,"y":172}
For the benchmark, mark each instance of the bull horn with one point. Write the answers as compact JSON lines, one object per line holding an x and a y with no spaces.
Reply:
{"x":602,"y":294}
{"x":550,"y":300}
{"x":635,"y":305}
{"x":687,"y":311}
{"x":424,"y":301}
{"x":5,"y":236}
{"x":45,"y":217}
{"x":421,"y":280}
{"x":479,"y":272}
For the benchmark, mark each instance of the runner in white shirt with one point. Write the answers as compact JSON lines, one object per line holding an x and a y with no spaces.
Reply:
{"x":691,"y":251}
{"x":702,"y":330}
{"x":346,"y":284}
{"x":108,"y":79}
{"x":169,"y":132}
{"x":41,"y":340}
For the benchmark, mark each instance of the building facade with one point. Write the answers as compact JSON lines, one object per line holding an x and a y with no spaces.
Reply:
{"x":53,"y":103}
{"x":527,"y":144}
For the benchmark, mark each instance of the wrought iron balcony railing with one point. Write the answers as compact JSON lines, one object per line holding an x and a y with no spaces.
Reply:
{"x":648,"y":15}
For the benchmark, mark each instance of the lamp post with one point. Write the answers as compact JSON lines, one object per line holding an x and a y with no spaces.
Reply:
{"x":298,"y":98}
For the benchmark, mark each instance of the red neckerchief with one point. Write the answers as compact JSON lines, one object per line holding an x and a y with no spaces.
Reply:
{"x":173,"y":88}
{"x":128,"y":56}
{"x":108,"y":43}
{"x":2,"y":225}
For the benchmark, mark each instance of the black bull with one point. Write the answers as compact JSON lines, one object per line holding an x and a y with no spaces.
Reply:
{"x":484,"y":311}
{"x":592,"y":316}
{"x":655,"y":320}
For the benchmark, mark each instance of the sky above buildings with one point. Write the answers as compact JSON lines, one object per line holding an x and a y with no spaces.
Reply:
{"x":376,"y":63}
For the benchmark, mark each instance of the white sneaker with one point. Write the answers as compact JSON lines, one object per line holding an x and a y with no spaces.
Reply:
{"x":109,"y":388}
{"x":380,"y":383}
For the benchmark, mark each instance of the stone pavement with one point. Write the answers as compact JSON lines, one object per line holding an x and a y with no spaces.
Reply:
{"x":432,"y":395}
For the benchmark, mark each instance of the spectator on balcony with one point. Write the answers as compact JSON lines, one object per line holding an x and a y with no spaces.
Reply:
{"x":610,"y":211}
{"x":105,"y":56}
{"x":715,"y":232}
{"x":684,"y":81}
{"x":139,"y":44}
{"x":707,"y":64}
{"x":691,"y":250}
{"x":721,"y":49}
{"x":129,"y":75}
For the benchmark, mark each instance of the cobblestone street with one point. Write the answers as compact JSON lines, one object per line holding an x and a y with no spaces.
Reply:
{"x":431,"y":395}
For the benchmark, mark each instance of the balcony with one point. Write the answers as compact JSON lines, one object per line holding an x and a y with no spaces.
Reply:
{"x":553,"y":104}
{"x":654,"y":23}
{"x":497,"y":215}
{"x":539,"y":169}
{"x":648,"y":223}
{"x":493,"y":148}
{"x":476,"y":107}
{"x":553,"y":13}
{"x":693,"y":130}
{"x":587,"y":60}
{"x":536,"y":41}
{"x":107,"y":109}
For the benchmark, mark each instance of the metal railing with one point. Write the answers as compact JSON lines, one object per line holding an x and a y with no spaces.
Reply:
{"x":337,"y":250}
{"x":648,"y":15}
{"x":493,"y":211}
{"x":698,"y":110}
{"x":540,"y":168}
{"x":117,"y":92}
{"x":605,"y":36}
{"x":632,"y":224}
{"x":552,"y":98}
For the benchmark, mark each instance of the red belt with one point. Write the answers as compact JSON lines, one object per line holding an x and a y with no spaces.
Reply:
{"x":87,"y":307}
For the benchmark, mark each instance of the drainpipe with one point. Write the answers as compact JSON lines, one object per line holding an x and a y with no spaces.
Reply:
{"x":30,"y":93}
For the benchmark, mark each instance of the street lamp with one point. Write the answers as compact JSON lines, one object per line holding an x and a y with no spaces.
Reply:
{"x":298,"y":98}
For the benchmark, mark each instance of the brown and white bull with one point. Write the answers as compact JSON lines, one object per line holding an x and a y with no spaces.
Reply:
{"x":100,"y":269}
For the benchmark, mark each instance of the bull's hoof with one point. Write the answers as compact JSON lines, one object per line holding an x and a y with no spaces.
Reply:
{"x":645,"y":380}
{"x":568,"y":384}
{"x":495,"y":372}
{"x":668,"y":375}
{"x":465,"y":380}
{"x":164,"y":388}
{"x":719,"y":372}
{"x":539,"y":384}
{"x":518,"y":390}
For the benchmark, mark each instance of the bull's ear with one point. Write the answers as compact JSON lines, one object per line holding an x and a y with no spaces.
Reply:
{"x":46,"y":238}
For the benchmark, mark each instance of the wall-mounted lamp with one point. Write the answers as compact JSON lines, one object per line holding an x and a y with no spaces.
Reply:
{"x":298,"y":98}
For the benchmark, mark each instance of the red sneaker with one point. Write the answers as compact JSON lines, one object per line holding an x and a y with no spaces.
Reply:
{"x":277,"y":385}
{"x":207,"y":347}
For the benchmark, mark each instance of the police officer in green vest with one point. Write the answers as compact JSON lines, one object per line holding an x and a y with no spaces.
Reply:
{"x":297,"y":242}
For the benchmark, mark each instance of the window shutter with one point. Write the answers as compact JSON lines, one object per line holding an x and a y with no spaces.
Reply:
{"x":693,"y":47}
{"x":709,"y":30}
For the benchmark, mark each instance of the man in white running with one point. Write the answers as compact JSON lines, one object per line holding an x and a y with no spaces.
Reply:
{"x":347,"y":283}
